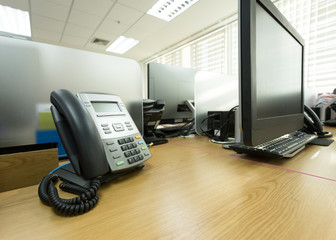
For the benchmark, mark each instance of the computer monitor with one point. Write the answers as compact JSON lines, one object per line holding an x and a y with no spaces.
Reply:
{"x":174,"y":85}
{"x":271,"y":73}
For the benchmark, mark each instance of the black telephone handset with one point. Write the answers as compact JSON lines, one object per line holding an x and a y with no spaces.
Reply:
{"x":102,"y":143}
{"x":313,"y":124}
{"x":78,"y":134}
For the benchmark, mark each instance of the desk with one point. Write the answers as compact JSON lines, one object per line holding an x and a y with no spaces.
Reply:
{"x":193,"y":189}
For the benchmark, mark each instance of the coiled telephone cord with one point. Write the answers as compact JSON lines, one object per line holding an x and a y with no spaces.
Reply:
{"x":81,"y":204}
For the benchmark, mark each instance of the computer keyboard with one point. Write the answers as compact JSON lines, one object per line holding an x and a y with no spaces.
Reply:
{"x":284,"y":146}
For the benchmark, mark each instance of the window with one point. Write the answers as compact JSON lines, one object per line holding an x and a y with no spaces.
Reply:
{"x":315,"y":20}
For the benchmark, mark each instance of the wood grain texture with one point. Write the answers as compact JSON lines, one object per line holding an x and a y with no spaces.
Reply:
{"x":24,"y":169}
{"x":193,"y":189}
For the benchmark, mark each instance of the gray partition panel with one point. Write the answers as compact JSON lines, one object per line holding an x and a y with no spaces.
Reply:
{"x":172,"y":84}
{"x":29,"y":71}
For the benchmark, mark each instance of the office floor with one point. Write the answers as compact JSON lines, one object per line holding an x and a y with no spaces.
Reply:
{"x":193,"y":189}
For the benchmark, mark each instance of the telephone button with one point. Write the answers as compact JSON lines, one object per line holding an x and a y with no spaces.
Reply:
{"x":116,"y":157}
{"x":131,"y":160}
{"x":106,"y":128}
{"x":137,"y":151}
{"x":141,"y":157}
{"x":118,"y":127}
{"x":109,"y":142}
{"x":131,"y":139}
{"x":113,"y":149}
{"x":143,"y":148}
{"x":124,"y":147}
{"x":137,"y":137}
{"x":120,"y":163}
{"x":107,"y":132}
{"x":104,"y":125}
{"x":127,"y":140}
{"x":121,"y":141}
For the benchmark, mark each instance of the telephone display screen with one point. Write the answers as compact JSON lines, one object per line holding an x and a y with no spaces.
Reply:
{"x":105,"y":106}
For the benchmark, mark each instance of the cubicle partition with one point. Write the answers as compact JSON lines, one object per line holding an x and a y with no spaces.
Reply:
{"x":29,"y":71}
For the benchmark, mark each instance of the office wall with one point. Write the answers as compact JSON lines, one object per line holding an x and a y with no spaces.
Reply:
{"x":29,"y":71}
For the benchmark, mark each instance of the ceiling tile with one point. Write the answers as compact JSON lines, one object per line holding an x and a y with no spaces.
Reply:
{"x":137,"y":33}
{"x":78,"y":31}
{"x":49,"y":9}
{"x":143,"y":5}
{"x":150,"y":23}
{"x":98,"y":8}
{"x":41,"y":34}
{"x":62,"y":2}
{"x":75,"y":41}
{"x":124,"y":14}
{"x":18,"y":4}
{"x":45,"y":23}
{"x":84,"y":19}
{"x":110,"y":26}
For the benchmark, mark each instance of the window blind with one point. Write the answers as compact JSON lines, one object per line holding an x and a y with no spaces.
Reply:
{"x":315,"y":20}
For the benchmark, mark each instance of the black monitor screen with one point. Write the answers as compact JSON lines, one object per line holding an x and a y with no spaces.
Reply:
{"x":271,"y":77}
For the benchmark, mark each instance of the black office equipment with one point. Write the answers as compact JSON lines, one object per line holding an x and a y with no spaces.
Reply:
{"x":331,"y":122}
{"x":313,"y":124}
{"x":101,"y":141}
{"x":220,"y":125}
{"x":152,"y":111}
{"x":285,"y":146}
{"x":271,"y":56}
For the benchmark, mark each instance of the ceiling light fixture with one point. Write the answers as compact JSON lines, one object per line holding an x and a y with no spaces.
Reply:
{"x":169,"y":9}
{"x":14,"y":21}
{"x":122,"y":45}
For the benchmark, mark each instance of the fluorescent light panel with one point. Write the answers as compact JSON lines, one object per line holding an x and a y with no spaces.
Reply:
{"x":122,"y":45}
{"x":14,"y":21}
{"x":169,"y":9}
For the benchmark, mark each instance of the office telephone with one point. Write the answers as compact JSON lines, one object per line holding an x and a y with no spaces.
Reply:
{"x":102,"y":143}
{"x":313,"y":124}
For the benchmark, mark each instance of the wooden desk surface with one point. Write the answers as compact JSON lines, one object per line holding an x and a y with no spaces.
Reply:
{"x":193,"y":189}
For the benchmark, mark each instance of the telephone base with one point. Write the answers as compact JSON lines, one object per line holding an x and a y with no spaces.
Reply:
{"x":155,"y":140}
{"x":67,"y":173}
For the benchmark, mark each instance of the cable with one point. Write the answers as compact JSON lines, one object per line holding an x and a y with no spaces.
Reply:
{"x":81,"y":204}
{"x":184,"y":130}
{"x":221,"y":128}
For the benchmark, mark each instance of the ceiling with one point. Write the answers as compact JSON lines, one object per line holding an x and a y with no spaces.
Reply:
{"x":76,"y":23}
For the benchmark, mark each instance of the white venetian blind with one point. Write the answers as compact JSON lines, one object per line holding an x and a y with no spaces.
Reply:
{"x":315,"y":20}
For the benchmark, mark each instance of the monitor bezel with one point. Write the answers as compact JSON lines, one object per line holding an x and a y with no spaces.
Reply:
{"x":256,"y":131}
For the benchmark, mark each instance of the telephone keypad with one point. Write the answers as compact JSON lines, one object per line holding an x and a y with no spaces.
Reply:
{"x":132,"y":150}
